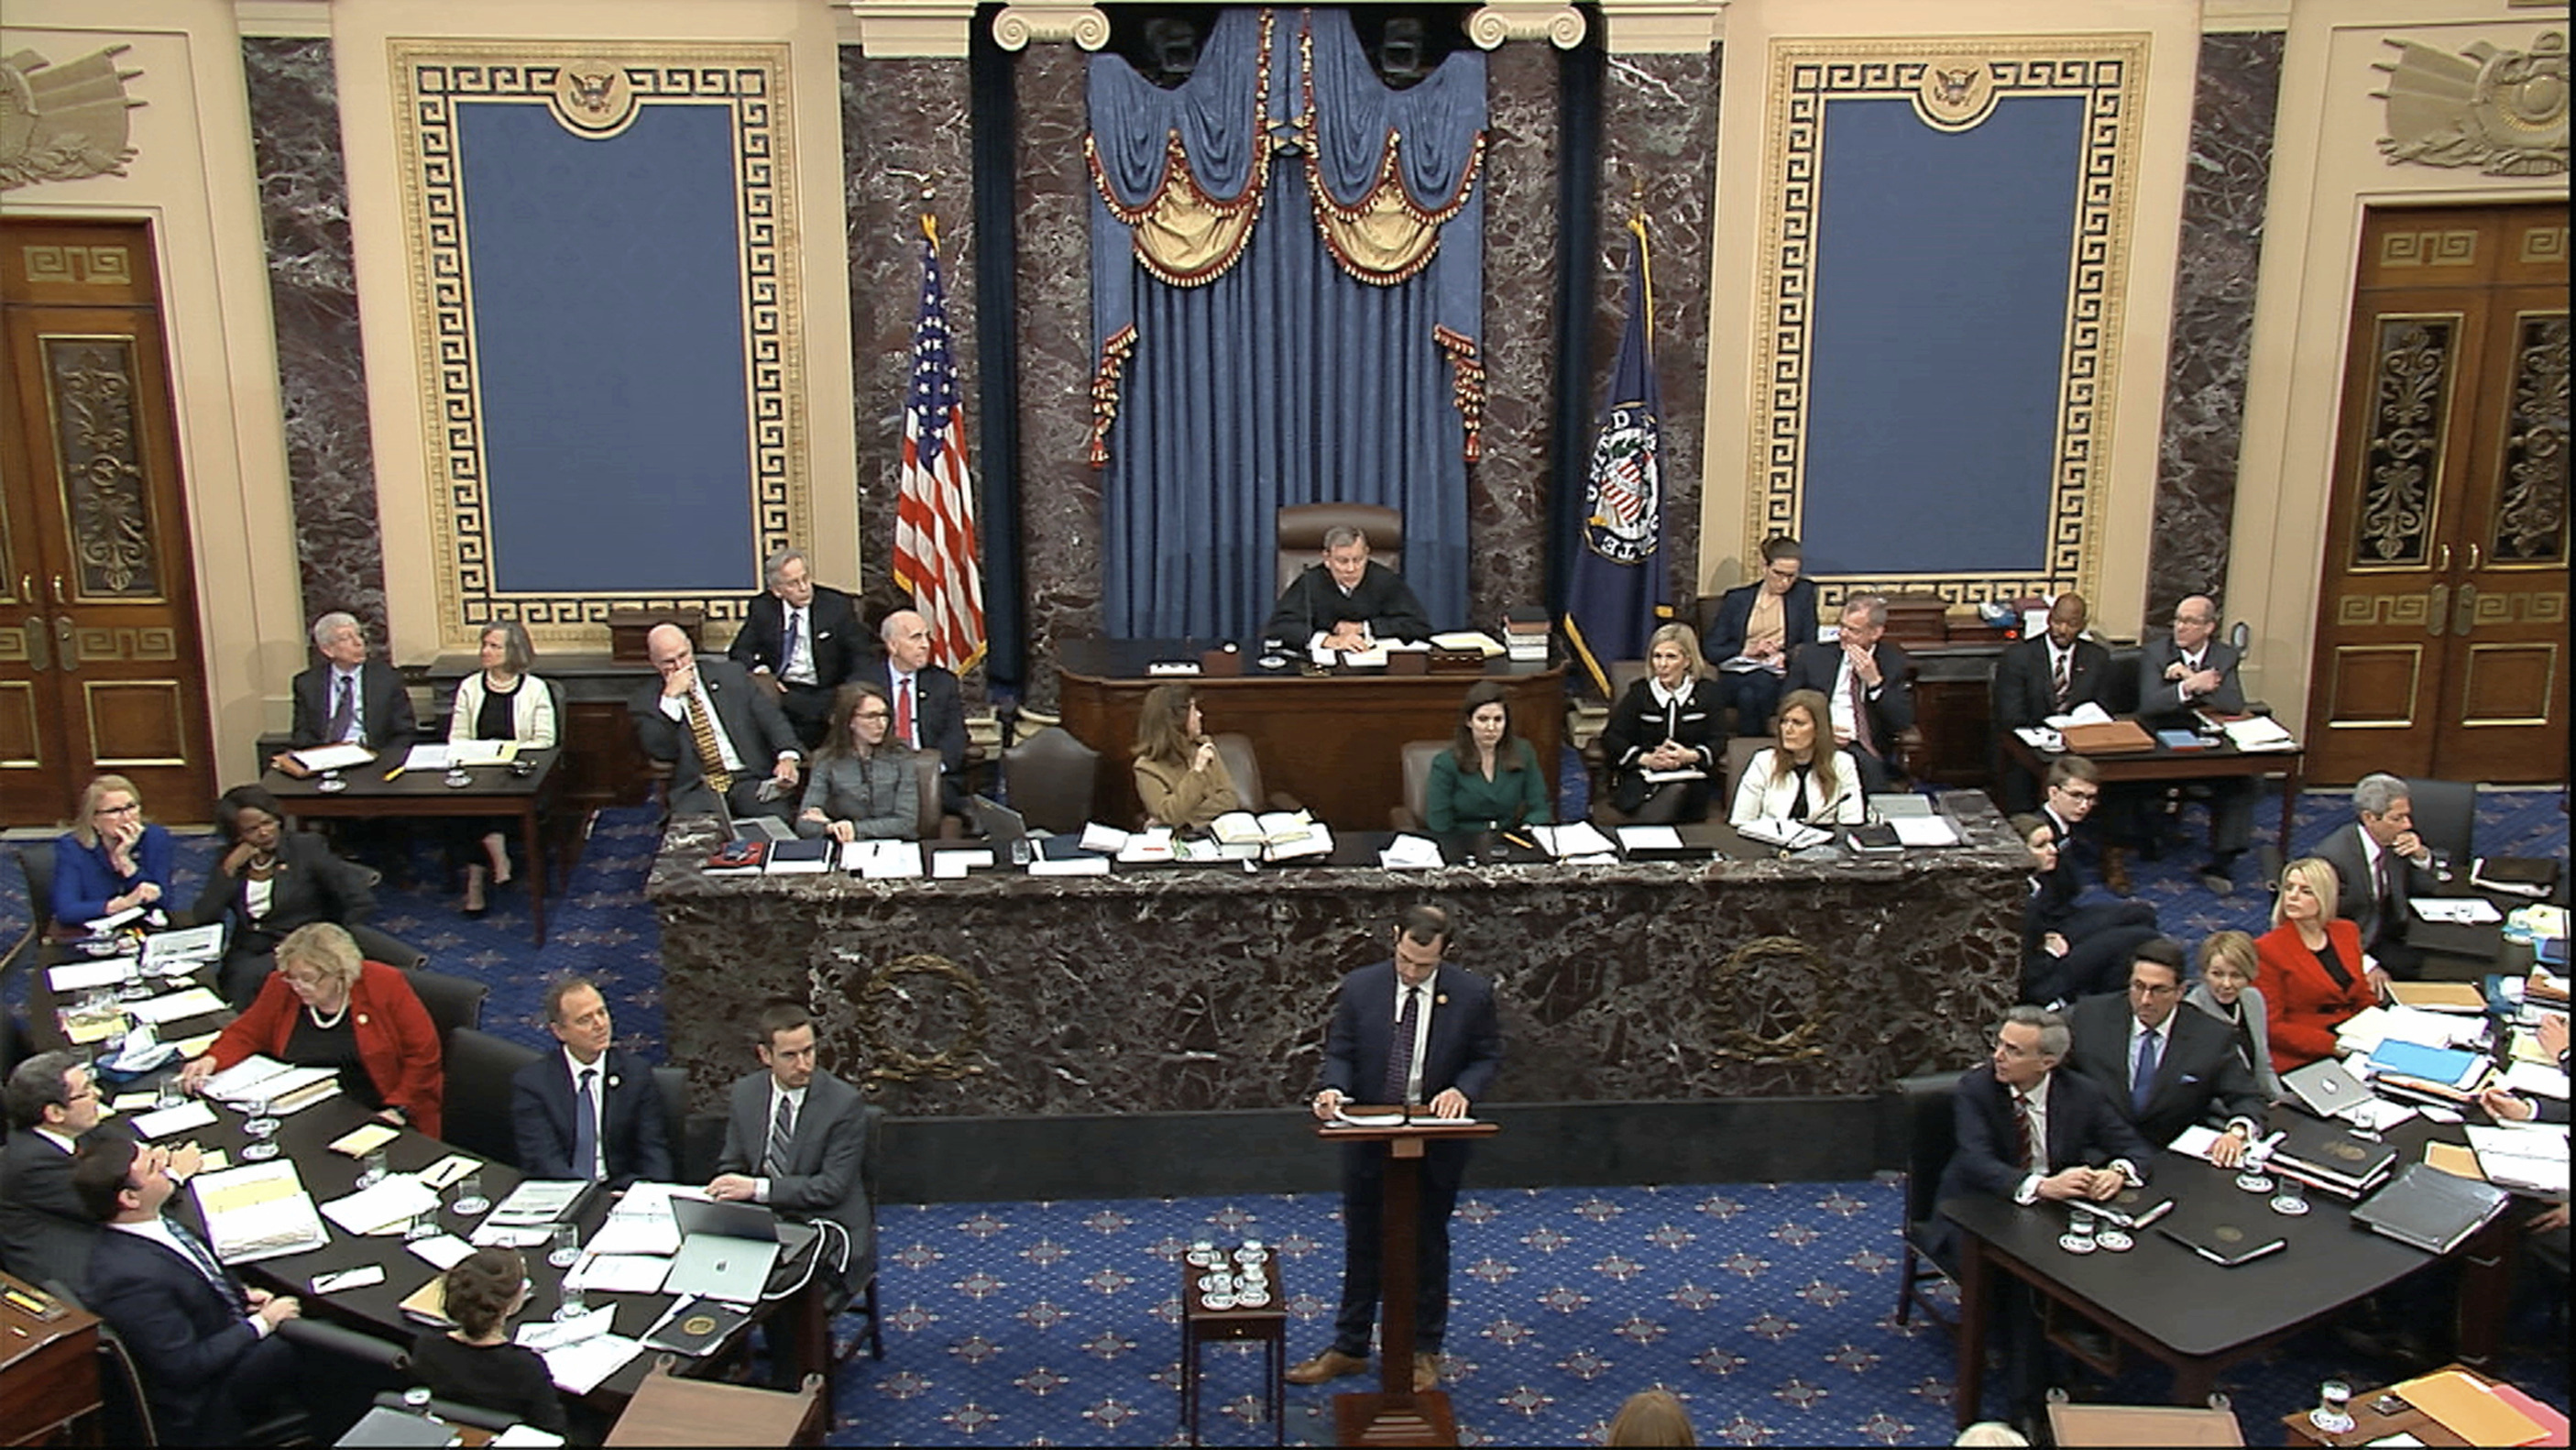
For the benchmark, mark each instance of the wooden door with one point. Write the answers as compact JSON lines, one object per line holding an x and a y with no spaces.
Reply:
{"x":100,"y":666}
{"x":2442,"y":613}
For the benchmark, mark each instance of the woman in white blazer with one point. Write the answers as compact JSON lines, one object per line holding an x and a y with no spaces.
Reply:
{"x":1801,"y":776}
{"x":2227,"y":992}
{"x":501,"y":701}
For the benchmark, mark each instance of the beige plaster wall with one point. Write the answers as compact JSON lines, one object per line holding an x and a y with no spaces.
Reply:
{"x":2327,"y":170}
{"x":195,"y":181}
{"x":360,"y":30}
{"x":2173,"y":27}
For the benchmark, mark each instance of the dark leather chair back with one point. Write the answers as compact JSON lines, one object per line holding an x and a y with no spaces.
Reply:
{"x":1302,"y":526}
{"x":1931,"y":1136}
{"x":2446,"y":819}
{"x":2120,"y":692}
{"x":1052,"y":779}
{"x":452,"y":1002}
{"x":479,"y":1067}
{"x":1415,"y":813}
{"x":1243,"y":768}
{"x":925,"y":785}
{"x":36,"y":862}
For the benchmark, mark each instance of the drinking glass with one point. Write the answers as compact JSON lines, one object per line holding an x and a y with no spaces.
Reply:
{"x":575,"y":1303}
{"x":567,"y":1246}
{"x":2333,"y":1413}
{"x":469,"y":1194}
{"x":2292,"y":1199}
{"x":262,"y":1129}
{"x":423,"y":1225}
{"x":167,"y":1093}
{"x":372,"y":1168}
{"x":133,"y":989}
{"x":2078,"y":1238}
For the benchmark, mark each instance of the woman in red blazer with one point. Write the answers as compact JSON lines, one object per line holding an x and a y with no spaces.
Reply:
{"x":325,"y":1006}
{"x":2310,"y":967}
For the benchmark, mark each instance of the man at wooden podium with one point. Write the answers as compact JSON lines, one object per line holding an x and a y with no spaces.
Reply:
{"x":1409,"y":1030}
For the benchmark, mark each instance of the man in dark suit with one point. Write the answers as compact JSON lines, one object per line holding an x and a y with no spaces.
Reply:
{"x":1869,"y":683}
{"x":795,"y":1139}
{"x":1756,"y":628}
{"x":1409,"y":1030}
{"x":205,"y":1346}
{"x":348,"y":697}
{"x":2380,"y":867}
{"x":591,"y":1110}
{"x":45,"y":1231}
{"x":929,"y":705}
{"x":2050,"y":674}
{"x":2076,"y":1145}
{"x":747,"y":750}
{"x":1346,"y":602}
{"x":2190,"y":670}
{"x":2168,"y":1069}
{"x":802,"y":636}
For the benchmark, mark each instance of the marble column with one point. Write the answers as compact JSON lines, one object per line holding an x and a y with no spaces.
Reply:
{"x":906,"y":129}
{"x":1059,"y":492}
{"x":1659,"y":154}
{"x":2238,"y":92}
{"x":313,"y":291}
{"x":1507,"y":492}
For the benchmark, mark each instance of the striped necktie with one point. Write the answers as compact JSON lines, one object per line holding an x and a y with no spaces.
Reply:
{"x":782,"y":1134}
{"x":702,"y":733}
{"x":1399,"y":1058}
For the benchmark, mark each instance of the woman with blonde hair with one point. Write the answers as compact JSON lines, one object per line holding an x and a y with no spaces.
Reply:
{"x":1651,"y":1417}
{"x":1802,"y":775}
{"x":1179,"y":775}
{"x":1666,"y":721}
{"x":327,"y":1006}
{"x":2310,"y":968}
{"x":2227,"y":992}
{"x":111,"y":860}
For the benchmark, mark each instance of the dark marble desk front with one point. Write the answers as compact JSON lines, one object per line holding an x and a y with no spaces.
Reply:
{"x":1194,"y":989}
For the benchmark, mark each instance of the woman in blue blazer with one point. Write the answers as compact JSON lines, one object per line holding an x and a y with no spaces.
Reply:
{"x":111,"y":859}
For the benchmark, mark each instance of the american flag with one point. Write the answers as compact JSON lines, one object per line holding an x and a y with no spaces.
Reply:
{"x":934,"y":515}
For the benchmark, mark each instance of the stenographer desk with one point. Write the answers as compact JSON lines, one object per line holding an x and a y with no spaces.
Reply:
{"x":1335,"y":741}
{"x":1186,"y":989}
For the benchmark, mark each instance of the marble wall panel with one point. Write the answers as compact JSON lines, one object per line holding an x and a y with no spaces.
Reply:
{"x":906,"y":139}
{"x":2236,"y":98}
{"x":1059,"y":492}
{"x":1659,"y":155}
{"x":1193,"y":991}
{"x":1508,"y":490}
{"x":304,"y":207}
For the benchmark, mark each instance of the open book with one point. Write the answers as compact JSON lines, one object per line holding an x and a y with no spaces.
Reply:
{"x":1282,"y":835}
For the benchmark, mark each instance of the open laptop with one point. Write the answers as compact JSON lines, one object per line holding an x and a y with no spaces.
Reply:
{"x":999,"y":823}
{"x":2325,"y":1087}
{"x":726,"y":1249}
{"x":758,"y":828}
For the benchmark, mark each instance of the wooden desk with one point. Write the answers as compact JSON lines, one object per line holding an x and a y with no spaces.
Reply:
{"x":425,"y":795}
{"x":1335,"y":742}
{"x":2162,"y":766}
{"x":48,"y":1366}
{"x":667,"y":1410}
{"x":2369,"y":1424}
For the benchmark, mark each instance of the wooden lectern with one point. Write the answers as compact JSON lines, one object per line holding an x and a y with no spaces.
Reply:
{"x":1395,"y":1414}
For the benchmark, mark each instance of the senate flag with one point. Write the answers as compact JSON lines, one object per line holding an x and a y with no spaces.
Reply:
{"x":1615,"y":591}
{"x":935,"y":555}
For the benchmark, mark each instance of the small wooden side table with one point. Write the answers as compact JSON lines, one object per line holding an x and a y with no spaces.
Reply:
{"x":48,"y":1365}
{"x":1202,"y":1325}
{"x":2369,"y":1424}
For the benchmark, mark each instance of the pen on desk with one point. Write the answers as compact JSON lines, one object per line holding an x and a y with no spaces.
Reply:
{"x":1517,"y":839}
{"x":396,"y":772}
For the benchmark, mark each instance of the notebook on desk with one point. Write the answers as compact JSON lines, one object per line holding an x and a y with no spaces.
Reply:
{"x":2226,"y":1231}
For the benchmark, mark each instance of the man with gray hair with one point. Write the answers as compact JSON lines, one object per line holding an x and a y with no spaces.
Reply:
{"x":1868,"y":682}
{"x":1346,"y":602}
{"x":348,"y":698}
{"x":2380,"y":865}
{"x":2029,"y":1132}
{"x":802,"y":638}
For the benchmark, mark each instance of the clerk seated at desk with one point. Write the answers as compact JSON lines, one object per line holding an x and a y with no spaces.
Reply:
{"x":1488,"y":779}
{"x":863,"y":786}
{"x":326,"y":1006}
{"x":1347,"y":603}
{"x":1801,"y":775}
{"x":1179,"y":776}
{"x":475,"y":1363}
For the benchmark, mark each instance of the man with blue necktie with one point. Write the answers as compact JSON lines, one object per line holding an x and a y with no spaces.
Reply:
{"x":347,"y":698}
{"x":2166,"y":1070}
{"x":1411,"y":1030}
{"x":589,"y":1111}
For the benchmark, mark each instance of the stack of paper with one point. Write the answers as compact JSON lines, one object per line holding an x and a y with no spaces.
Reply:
{"x":640,"y":1224}
{"x":885,"y":860}
{"x":333,"y":757}
{"x":580,"y":1352}
{"x":1580,"y":843}
{"x":1410,"y":853}
{"x":541,"y":1200}
{"x":2457,"y":910}
{"x":166,"y":1121}
{"x":2528,"y":1156}
{"x":175,"y":1006}
{"x":258,"y":1211}
{"x":1794,"y":835}
{"x":165,"y":951}
{"x":73,"y":977}
{"x":1151,"y":846}
{"x":388,"y":1206}
{"x":2258,"y":733}
{"x":1108,"y":840}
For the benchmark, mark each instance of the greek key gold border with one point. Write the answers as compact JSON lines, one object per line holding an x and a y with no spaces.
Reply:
{"x":432,"y":78}
{"x":2109,"y":72}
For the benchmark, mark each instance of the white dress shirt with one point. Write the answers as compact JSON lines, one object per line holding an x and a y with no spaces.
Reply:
{"x":357,"y":687}
{"x":795,"y":1100}
{"x":675,"y":710}
{"x":598,"y":1070}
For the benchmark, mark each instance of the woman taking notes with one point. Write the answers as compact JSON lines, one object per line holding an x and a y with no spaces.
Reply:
{"x":326,"y":1006}
{"x":1488,"y":778}
{"x":1179,"y":776}
{"x":1801,"y":775}
{"x":501,"y":701}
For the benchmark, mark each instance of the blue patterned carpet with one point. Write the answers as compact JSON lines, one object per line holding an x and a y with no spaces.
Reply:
{"x":1766,"y":1307}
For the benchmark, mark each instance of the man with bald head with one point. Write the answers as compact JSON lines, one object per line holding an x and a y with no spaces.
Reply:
{"x":2047,"y":674}
{"x":929,"y":707}
{"x":719,"y":731}
{"x":2180,"y":675}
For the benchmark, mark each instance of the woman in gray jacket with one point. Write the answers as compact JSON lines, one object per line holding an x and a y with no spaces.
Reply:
{"x":863,"y":786}
{"x":2227,"y":992}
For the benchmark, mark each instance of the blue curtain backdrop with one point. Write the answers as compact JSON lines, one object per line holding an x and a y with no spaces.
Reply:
{"x":1283,"y":379}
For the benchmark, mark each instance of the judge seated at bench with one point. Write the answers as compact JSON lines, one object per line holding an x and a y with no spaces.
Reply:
{"x":1346,"y":602}
{"x":1179,"y":775}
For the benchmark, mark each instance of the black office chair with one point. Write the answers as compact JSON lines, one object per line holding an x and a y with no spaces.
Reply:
{"x":2120,"y":691}
{"x":36,"y":863}
{"x":2446,"y":819}
{"x":1052,"y":779}
{"x":1931,"y":1136}
{"x":871,"y":1164}
{"x":452,"y":1002}
{"x":454,"y":1412}
{"x":695,"y":1141}
{"x":478,"y":1067}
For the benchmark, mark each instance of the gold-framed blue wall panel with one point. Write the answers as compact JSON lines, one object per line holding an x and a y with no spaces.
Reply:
{"x":1985,"y":198}
{"x":601,"y":239}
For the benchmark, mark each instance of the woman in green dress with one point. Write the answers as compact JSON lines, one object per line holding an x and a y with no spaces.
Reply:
{"x":1489,"y":777}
